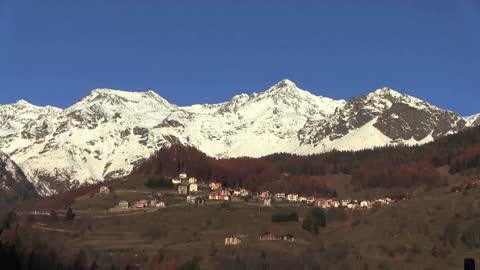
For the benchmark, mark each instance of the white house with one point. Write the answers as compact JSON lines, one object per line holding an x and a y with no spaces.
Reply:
{"x":192,"y":180}
{"x":182,"y":176}
{"x":267,"y":202}
{"x":335,"y":204}
{"x":161,"y":205}
{"x":193,"y":187}
{"x":232,"y":241}
{"x":104,"y":190}
{"x":365,"y":204}
{"x":176,"y":181}
{"x":292,"y":197}
{"x":244,"y":192}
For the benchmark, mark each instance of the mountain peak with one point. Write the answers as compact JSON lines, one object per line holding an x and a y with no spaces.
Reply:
{"x":113,"y":97}
{"x":24,"y":103}
{"x":387,"y":91}
{"x":282,"y":87}
{"x":284,"y":84}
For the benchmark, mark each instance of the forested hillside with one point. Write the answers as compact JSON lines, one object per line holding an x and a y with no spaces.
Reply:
{"x":387,"y":167}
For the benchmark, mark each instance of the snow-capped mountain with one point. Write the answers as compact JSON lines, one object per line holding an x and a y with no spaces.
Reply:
{"x":382,"y":117}
{"x":473,"y":121}
{"x":14,"y":186}
{"x":106,"y":133}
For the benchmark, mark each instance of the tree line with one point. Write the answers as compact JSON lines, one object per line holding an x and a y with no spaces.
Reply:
{"x":386,"y":167}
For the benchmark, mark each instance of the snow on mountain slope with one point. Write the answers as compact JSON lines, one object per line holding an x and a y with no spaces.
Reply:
{"x":400,"y":117}
{"x":473,"y":121}
{"x":109,"y":131}
{"x":14,"y":186}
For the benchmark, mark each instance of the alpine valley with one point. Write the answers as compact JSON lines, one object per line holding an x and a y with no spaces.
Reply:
{"x":108,"y":132}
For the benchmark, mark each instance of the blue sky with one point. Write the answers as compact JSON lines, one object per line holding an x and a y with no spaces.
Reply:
{"x":55,"y":52}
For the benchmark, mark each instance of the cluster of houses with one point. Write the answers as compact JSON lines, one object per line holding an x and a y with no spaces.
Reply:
{"x":35,"y":212}
{"x":232,"y":241}
{"x":352,"y":204}
{"x":123,"y":204}
{"x":195,"y":200}
{"x":218,"y":192}
{"x":185,"y":185}
{"x":267,"y":236}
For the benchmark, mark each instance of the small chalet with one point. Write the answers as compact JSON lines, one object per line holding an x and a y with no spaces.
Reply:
{"x":152,"y":203}
{"x":280,"y":196}
{"x":311,"y":200}
{"x":123,"y":204}
{"x":105,"y":190}
{"x":193,"y":187}
{"x":302,"y":199}
{"x":192,"y":180}
{"x":161,"y":205}
{"x":292,"y":197}
{"x":384,"y":201}
{"x":191,"y":199}
{"x":366,"y":204}
{"x":141,"y":204}
{"x":267,"y":202}
{"x":244,"y":192}
{"x":344,"y":203}
{"x":288,"y":237}
{"x":335,"y":204}
{"x":199,"y":201}
{"x":214,"y":195}
{"x":232,"y":241}
{"x":215,"y":186}
{"x":264,"y":194}
{"x":176,"y":181}
{"x":183,"y":189}
{"x":268,"y":236}
{"x":322,"y":203}
{"x":353,"y":206}
{"x":225,"y":192}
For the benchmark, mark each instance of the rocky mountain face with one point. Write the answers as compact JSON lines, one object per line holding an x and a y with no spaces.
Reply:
{"x":388,"y":117}
{"x":14,"y":186}
{"x":105,"y":134}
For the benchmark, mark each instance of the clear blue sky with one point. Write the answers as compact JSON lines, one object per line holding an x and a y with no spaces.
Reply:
{"x":55,"y":52}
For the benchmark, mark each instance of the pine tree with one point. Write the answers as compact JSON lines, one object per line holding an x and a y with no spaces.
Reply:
{"x":70,"y":214}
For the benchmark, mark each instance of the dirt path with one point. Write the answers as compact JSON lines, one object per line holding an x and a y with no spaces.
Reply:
{"x":42,"y":228}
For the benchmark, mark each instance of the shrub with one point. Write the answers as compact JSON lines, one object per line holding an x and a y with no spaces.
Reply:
{"x":314,"y":219}
{"x":471,"y":236}
{"x":450,"y":235}
{"x":282,"y":217}
{"x":70,"y":215}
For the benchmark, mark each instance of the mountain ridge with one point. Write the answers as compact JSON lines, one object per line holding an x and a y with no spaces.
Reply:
{"x":106,"y":133}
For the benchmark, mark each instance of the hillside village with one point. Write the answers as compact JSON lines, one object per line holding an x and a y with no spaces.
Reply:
{"x":197,"y":193}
